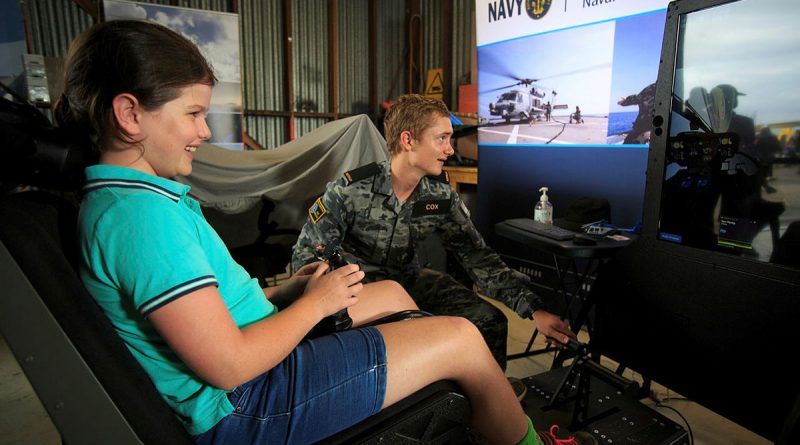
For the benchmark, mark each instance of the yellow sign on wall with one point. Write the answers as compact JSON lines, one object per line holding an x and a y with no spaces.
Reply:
{"x":434,"y":85}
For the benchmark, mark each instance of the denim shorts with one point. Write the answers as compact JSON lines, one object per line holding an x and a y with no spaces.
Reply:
{"x":324,"y":386}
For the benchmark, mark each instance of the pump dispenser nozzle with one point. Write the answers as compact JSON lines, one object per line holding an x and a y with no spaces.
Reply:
{"x":543,"y":212}
{"x":544,"y":197}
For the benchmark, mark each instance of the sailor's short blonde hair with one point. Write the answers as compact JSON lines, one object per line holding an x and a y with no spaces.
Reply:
{"x":414,"y":113}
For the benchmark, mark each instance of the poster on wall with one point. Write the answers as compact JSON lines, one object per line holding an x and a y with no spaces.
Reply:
{"x":12,"y":44}
{"x":568,"y":72}
{"x":217,"y":36}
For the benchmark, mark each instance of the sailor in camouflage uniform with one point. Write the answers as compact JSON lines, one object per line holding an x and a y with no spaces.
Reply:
{"x":380,"y":213}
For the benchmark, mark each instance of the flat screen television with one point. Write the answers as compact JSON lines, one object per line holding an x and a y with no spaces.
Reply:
{"x":707,"y":301}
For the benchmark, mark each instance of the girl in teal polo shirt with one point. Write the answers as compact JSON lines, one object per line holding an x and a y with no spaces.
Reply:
{"x":234,"y":368}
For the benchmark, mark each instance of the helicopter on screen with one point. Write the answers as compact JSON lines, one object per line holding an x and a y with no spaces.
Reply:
{"x":526,"y":99}
{"x":523,"y":104}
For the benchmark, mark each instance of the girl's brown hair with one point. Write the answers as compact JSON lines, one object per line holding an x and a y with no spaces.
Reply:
{"x":149,"y":61}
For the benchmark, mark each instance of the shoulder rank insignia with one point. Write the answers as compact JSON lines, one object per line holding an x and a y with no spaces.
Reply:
{"x":363,"y":172}
{"x":444,"y":177}
{"x":317,"y":211}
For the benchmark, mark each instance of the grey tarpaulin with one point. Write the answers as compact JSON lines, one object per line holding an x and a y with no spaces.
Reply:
{"x":291,"y":175}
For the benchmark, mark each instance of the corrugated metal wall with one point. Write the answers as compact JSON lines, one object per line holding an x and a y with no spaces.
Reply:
{"x":208,"y":5}
{"x":463,"y":26}
{"x":431,"y":11}
{"x":310,"y":48}
{"x":55,"y":23}
{"x":392,"y":49}
{"x":263,"y":69}
{"x":353,"y":22}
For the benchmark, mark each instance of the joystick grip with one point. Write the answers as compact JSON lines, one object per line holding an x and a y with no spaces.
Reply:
{"x":340,"y":320}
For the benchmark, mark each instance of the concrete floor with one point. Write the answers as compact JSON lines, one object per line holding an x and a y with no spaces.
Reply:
{"x":23,"y":420}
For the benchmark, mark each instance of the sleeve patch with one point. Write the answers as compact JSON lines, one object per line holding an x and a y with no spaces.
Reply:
{"x":317,"y":211}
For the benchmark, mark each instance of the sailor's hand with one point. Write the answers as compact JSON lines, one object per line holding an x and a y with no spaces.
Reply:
{"x":553,"y":327}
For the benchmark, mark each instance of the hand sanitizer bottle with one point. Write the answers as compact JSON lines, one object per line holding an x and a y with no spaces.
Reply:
{"x":543,"y":212}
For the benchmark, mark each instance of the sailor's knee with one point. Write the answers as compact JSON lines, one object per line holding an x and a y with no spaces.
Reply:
{"x":485,"y":313}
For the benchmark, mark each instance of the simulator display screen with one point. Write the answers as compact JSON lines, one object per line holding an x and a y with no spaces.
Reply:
{"x":732,"y":169}
{"x":574,"y":73}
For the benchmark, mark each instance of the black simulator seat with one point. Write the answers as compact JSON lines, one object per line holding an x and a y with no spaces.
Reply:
{"x":255,"y":242}
{"x":87,"y":380}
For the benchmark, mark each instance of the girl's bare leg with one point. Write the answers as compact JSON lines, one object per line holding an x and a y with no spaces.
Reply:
{"x":425,"y":350}
{"x":378,"y":300}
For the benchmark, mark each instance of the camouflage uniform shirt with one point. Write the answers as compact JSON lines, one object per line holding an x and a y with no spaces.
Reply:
{"x":360,"y":213}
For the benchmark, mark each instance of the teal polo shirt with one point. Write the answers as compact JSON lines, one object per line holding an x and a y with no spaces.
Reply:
{"x":144,"y":243}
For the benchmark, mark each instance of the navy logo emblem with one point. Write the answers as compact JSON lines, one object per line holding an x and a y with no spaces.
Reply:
{"x":537,"y":8}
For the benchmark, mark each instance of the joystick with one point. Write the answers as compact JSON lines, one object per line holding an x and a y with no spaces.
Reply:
{"x":340,"y":320}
